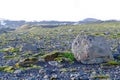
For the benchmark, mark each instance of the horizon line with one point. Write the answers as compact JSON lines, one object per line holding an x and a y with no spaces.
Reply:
{"x":57,"y":20}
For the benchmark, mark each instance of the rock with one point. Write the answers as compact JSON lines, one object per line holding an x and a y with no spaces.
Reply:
{"x":106,"y":33}
{"x":118,"y":48}
{"x":46,"y":77}
{"x":41,"y":71}
{"x":17,"y":71}
{"x":106,"y":67}
{"x":11,"y":62}
{"x":53,"y":63}
{"x":54,"y":77}
{"x":1,"y":41}
{"x":90,"y":49}
{"x":1,"y":54}
{"x":74,"y":75}
{"x":116,"y":56}
{"x":70,"y":30}
{"x":29,"y":47}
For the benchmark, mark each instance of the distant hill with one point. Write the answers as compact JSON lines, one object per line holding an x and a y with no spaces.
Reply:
{"x":11,"y":24}
{"x":90,"y":20}
{"x":15,"y":24}
{"x":4,"y":23}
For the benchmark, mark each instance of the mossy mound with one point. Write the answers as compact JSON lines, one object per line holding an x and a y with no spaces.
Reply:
{"x":51,"y":56}
{"x":59,"y":56}
{"x":26,"y":62}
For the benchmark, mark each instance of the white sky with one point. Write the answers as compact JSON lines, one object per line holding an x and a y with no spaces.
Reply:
{"x":62,"y":10}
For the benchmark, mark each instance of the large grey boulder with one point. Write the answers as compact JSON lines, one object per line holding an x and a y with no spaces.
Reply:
{"x":89,"y":49}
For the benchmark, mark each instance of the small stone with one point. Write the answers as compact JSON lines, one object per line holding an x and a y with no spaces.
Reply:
{"x":70,"y":30}
{"x":54,"y":77}
{"x":73,"y":78}
{"x":17,"y":71}
{"x":53,"y":63}
{"x":41,"y":71}
{"x":93,"y":74}
{"x":11,"y":62}
{"x":46,"y":77}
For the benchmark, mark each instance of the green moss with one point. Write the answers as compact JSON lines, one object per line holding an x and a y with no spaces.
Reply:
{"x":14,"y":50}
{"x":7,"y":69}
{"x":111,"y":63}
{"x":68,"y":55}
{"x":51,"y":56}
{"x":51,"y":53}
{"x":38,"y":55}
{"x":17,"y":65}
{"x":30,"y":67}
{"x":9,"y":57}
{"x":2,"y":68}
{"x":10,"y":49}
{"x":63,"y":70}
{"x":59,"y":59}
{"x":101,"y":77}
{"x":36,"y":67}
{"x":34,"y":59}
{"x":2,"y":50}
{"x":97,"y":34}
{"x":73,"y":70}
{"x":118,"y":57}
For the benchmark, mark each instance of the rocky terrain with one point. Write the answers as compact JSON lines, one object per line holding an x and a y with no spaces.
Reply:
{"x":34,"y":52}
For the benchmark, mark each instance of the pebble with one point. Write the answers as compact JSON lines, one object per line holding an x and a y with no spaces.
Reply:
{"x":17,"y":71}
{"x":46,"y":77}
{"x":53,"y":63}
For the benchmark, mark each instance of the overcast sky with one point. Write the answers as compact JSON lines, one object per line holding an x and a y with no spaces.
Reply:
{"x":62,"y":10}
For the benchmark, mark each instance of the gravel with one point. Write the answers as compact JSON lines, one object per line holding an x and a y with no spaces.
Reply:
{"x":82,"y":72}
